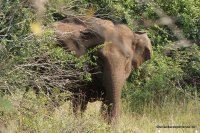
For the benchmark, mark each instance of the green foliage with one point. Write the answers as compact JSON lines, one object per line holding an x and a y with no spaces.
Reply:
{"x":153,"y":83}
{"x":27,"y":58}
{"x":165,"y":79}
{"x":187,"y":13}
{"x":189,"y":59}
{"x":15,"y":21}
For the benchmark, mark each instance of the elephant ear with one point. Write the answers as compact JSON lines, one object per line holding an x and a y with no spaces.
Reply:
{"x":141,"y":48}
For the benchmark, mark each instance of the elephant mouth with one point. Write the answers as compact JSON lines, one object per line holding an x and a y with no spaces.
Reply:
{"x":136,"y":63}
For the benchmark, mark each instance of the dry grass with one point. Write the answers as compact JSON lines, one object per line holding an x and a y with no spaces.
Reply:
{"x":33,"y":115}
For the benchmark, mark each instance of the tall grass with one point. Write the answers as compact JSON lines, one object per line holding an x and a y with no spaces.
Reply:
{"x":35,"y":114}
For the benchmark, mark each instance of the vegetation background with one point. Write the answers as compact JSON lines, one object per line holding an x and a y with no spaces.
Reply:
{"x":163,"y":91}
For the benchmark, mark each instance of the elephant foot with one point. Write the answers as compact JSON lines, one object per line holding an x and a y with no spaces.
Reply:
{"x":108,"y":114}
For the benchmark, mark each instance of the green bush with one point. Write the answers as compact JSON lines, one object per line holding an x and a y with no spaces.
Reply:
{"x":154,"y":83}
{"x":165,"y":79}
{"x":187,"y":15}
{"x":28,"y":59}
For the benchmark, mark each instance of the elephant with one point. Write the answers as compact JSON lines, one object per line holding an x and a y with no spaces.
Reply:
{"x":123,"y":51}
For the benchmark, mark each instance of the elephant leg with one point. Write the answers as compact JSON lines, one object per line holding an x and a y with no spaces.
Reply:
{"x":84,"y":103}
{"x":79,"y":103}
{"x":109,"y":111}
{"x":106,"y":111}
{"x":75,"y":104}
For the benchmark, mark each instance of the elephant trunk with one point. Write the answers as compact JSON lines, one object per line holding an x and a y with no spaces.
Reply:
{"x":114,"y":83}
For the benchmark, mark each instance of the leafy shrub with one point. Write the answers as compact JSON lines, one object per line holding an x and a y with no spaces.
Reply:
{"x":186,"y":13}
{"x":165,"y":79}
{"x":189,"y":59}
{"x":31,"y":59}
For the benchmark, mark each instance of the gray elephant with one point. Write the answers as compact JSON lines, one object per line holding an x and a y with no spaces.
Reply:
{"x":122,"y":52}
